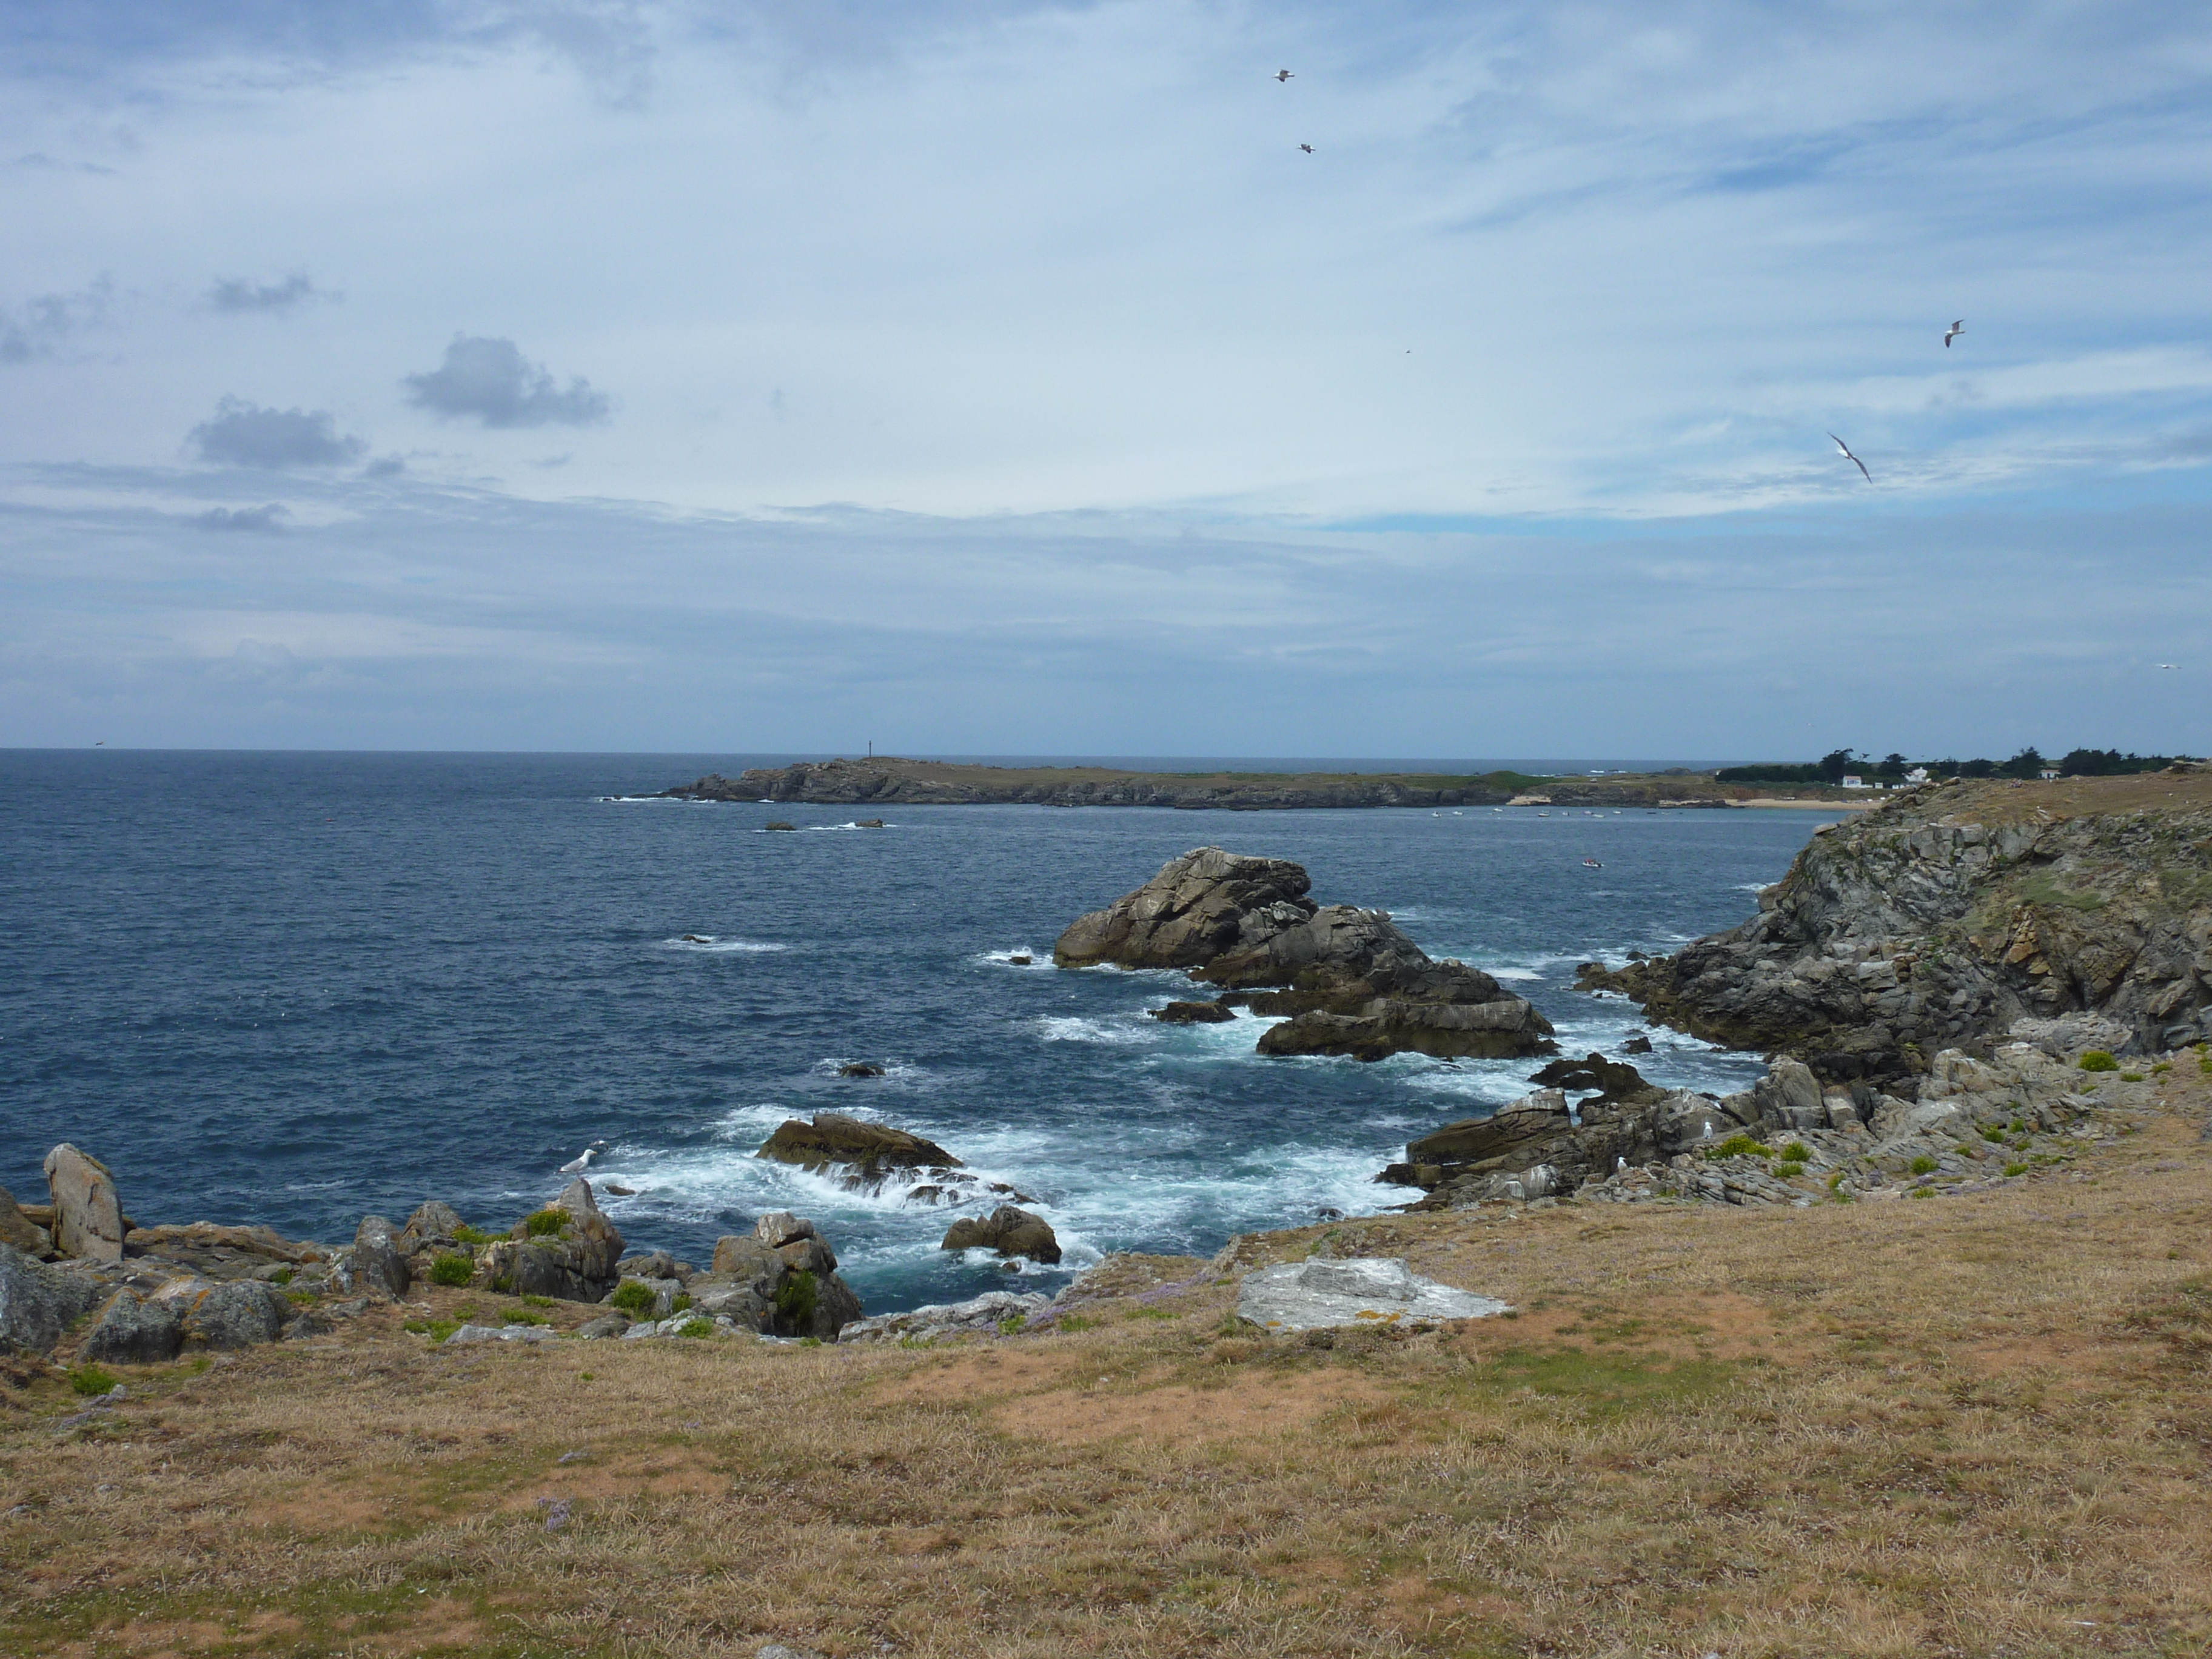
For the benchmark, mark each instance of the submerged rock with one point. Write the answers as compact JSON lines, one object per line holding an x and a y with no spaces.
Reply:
{"x":1193,"y":1013}
{"x":1352,"y":981}
{"x":1371,"y":1291}
{"x":1008,"y":1231}
{"x":859,"y":1068}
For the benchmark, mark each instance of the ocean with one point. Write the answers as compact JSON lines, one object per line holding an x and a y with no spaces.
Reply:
{"x":294,"y":988}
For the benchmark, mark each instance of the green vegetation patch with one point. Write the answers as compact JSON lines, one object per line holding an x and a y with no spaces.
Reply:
{"x":545,"y":1222}
{"x":1739,"y":1146}
{"x":632,"y":1297}
{"x":2096,"y":1060}
{"x":90,"y":1380}
{"x":795,"y":1298}
{"x":1604,"y":1384}
{"x":2045,"y":891}
{"x":1923,"y":1164}
{"x":452,"y":1269}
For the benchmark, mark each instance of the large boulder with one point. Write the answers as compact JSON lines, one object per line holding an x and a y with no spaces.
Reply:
{"x":1246,"y":923}
{"x":1359,"y":1291}
{"x":989,"y":1313}
{"x":88,"y":1215}
{"x":433,"y":1224}
{"x":1202,"y":906}
{"x":239,"y":1314}
{"x":18,"y":1230}
{"x":862,"y":1153}
{"x":781,"y":1279}
{"x":1008,"y":1232}
{"x":37,"y":1303}
{"x":375,"y":1267}
{"x":133,"y":1331}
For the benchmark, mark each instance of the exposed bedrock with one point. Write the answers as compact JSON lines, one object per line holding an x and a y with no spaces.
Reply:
{"x":1353,"y":982}
{"x":1948,"y":914}
{"x":860,"y":1153}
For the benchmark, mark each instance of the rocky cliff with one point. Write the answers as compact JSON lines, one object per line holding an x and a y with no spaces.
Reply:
{"x":1954,"y":911}
{"x":1353,"y":981}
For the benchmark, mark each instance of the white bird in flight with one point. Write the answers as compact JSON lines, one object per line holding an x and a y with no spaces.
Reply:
{"x":1953,"y":332}
{"x":2169,"y":665}
{"x":1852,"y":459}
{"x":1282,"y":75}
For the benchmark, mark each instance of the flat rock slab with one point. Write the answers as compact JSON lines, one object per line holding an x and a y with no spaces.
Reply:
{"x":1364,"y":1290}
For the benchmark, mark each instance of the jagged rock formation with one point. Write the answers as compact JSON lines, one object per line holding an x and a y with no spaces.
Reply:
{"x":574,"y":1260}
{"x":1353,"y":982}
{"x":781,"y":1280}
{"x":1952,"y":912}
{"x":1008,"y":1232}
{"x":1788,"y":1139}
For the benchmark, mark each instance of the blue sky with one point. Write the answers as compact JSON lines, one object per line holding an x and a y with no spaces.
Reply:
{"x":1005,"y":378}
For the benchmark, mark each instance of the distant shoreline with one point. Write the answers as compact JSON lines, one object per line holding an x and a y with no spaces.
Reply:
{"x":887,"y":781}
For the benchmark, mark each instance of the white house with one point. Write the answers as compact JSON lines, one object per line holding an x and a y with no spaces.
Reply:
{"x":1853,"y":781}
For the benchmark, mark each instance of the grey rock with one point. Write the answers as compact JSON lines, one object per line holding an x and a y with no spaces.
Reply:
{"x":375,"y":1267}
{"x":39,"y":1303}
{"x":237,"y":1314}
{"x":606,"y":1325}
{"x":1372,"y":1291}
{"x":469,"y":1334}
{"x":978,"y":1316}
{"x":778,"y":1651}
{"x":434,"y":1222}
{"x":654,"y":1264}
{"x":132,"y":1331}
{"x":753,"y":1283}
{"x":88,"y":1215}
{"x":1789,"y":1097}
{"x":779,"y":1227}
{"x":18,"y":1230}
{"x":576,"y":1264}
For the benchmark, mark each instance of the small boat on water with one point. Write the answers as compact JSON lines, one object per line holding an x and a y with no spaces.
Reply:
{"x":1592,"y":864}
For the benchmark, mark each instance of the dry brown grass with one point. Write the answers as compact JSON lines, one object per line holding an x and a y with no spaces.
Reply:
{"x":1971,"y":1426}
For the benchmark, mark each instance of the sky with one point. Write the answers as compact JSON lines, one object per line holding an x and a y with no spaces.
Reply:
{"x":1007,"y":377}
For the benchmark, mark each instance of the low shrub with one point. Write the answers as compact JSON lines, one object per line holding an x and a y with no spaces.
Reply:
{"x":465,"y":1234}
{"x":1012,"y":1323}
{"x":1993,"y":1131}
{"x":282,"y":1276}
{"x":679,"y":1303}
{"x":695,"y":1327}
{"x":546,"y":1222}
{"x":795,"y":1298}
{"x":1739,"y":1146}
{"x":1923,"y":1164}
{"x":1921,"y":1192}
{"x":1795,"y":1152}
{"x":632,"y":1297}
{"x":2016,"y":1169}
{"x":452,"y":1269}
{"x":1072,"y":1322}
{"x":523,"y":1316}
{"x":2132,"y":1077}
{"x":536,"y":1301}
{"x":90,"y":1380}
{"x":442,"y":1328}
{"x":2096,"y":1060}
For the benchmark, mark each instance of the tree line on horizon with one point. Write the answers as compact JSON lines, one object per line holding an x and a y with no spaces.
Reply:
{"x":1834,"y":766}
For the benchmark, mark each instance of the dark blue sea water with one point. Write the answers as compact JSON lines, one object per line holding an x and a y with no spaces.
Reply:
{"x":293,"y":988}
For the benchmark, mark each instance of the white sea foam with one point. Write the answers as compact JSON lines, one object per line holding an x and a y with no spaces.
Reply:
{"x":711,"y":945}
{"x":1006,"y":958}
{"x":1072,"y":1028}
{"x":1513,"y":973}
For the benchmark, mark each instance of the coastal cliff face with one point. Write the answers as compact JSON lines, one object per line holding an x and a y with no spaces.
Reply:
{"x":1943,"y":917}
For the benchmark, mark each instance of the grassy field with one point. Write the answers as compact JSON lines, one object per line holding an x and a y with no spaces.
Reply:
{"x":1973,"y":1426}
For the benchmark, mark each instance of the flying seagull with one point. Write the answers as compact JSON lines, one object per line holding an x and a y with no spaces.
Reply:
{"x":1307,"y":147}
{"x":2169,"y":665}
{"x":1953,"y":332}
{"x":1282,"y":75}
{"x":1852,"y":459}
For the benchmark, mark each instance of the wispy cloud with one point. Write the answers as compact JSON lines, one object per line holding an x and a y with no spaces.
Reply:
{"x":491,"y":381}
{"x":237,"y":293}
{"x":38,"y":327}
{"x":241,"y":434}
{"x":266,"y":519}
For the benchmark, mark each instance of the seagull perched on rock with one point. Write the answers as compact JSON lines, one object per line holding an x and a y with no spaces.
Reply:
{"x":1307,"y":147}
{"x":1848,"y":456}
{"x":1953,"y":332}
{"x":1282,"y":75}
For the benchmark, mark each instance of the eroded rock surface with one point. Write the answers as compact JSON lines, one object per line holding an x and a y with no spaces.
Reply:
{"x":861,"y":1153}
{"x":1951,"y":911}
{"x":1379,"y":1290}
{"x":39,"y":1303}
{"x":992,"y":1311}
{"x":1353,"y":981}
{"x":1008,"y":1231}
{"x":88,"y":1213}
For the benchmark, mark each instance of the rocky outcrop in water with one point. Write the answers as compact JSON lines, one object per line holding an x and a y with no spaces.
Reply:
{"x":1353,"y":981}
{"x":1007,"y":1230}
{"x":1951,"y":913}
{"x":860,"y":1153}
